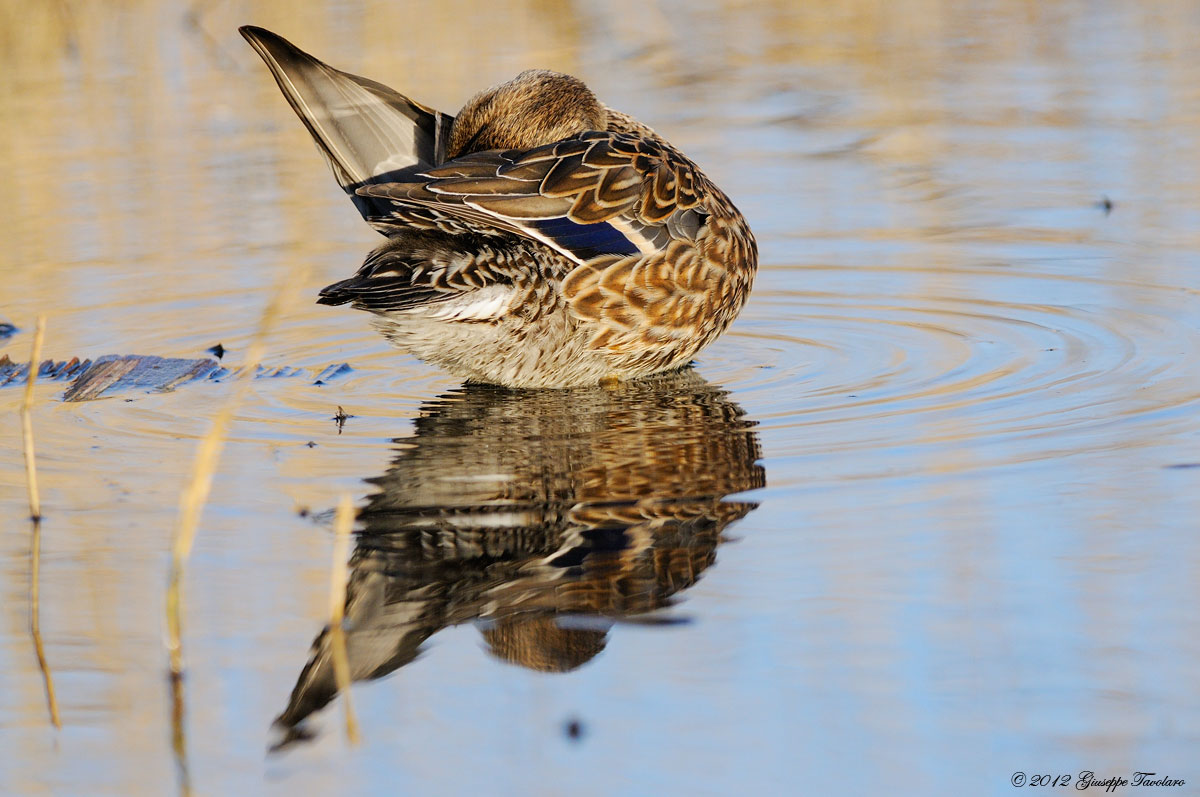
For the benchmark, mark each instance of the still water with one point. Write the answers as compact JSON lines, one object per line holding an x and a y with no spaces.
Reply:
{"x":926,"y":517}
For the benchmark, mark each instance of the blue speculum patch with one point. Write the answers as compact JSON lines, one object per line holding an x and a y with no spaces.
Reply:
{"x":585,"y":240}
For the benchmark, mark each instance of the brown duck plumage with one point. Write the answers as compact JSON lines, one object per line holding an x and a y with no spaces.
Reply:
{"x":539,"y":239}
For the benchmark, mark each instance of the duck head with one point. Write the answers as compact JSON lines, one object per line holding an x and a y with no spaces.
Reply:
{"x":536,"y":107}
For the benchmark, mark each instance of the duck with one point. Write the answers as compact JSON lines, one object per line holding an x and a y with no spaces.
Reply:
{"x":536,"y":239}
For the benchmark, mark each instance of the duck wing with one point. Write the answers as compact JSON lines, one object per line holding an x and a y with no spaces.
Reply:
{"x":367,"y":132}
{"x":600,"y":193}
{"x":655,"y":256}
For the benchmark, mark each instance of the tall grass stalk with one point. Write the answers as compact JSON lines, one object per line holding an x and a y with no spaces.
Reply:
{"x":35,"y":515}
{"x":343,"y":523}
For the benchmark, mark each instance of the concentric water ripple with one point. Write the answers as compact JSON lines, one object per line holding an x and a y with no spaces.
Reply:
{"x":833,"y":358}
{"x":958,"y":358}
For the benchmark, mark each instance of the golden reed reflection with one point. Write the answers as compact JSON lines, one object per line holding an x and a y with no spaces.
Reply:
{"x":543,"y":516}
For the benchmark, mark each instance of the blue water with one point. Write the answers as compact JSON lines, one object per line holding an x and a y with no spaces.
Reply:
{"x":970,"y":395}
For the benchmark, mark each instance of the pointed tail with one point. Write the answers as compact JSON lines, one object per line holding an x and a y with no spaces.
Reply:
{"x":367,"y":132}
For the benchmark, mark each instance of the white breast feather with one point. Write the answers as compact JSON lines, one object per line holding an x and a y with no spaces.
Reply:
{"x":481,"y":305}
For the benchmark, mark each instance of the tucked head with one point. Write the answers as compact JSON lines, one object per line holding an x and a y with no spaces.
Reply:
{"x":534,"y":108}
{"x":539,"y":643}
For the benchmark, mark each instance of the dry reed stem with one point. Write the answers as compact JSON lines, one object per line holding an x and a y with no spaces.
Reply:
{"x":343,"y":522}
{"x":199,"y":484}
{"x":35,"y":515}
{"x":35,"y":502}
{"x":191,"y":504}
{"x":35,"y":626}
{"x":178,"y":740}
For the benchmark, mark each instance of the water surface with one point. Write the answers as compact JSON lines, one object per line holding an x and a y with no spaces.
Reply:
{"x":924,"y":518}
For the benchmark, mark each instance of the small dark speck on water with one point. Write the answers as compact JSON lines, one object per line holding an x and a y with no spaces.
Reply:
{"x":7,"y":330}
{"x":341,"y":418}
{"x":303,"y":511}
{"x":1106,"y":205}
{"x":574,"y":729}
{"x":1184,"y":466}
{"x":217,"y":351}
{"x":311,"y":444}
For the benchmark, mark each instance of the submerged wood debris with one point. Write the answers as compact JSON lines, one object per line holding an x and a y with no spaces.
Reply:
{"x":113,"y":373}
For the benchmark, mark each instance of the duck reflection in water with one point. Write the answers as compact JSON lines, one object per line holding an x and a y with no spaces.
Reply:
{"x":543,"y":516}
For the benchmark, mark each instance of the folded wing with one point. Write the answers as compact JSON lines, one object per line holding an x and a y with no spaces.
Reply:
{"x":600,"y":193}
{"x":625,"y":212}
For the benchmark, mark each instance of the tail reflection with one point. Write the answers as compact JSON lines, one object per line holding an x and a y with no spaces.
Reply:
{"x":542,"y":515}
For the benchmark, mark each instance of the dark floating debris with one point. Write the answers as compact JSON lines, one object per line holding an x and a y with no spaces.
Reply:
{"x":311,"y":444}
{"x":1183,"y":466}
{"x":574,"y":729}
{"x":274,"y":373}
{"x":15,"y":373}
{"x":158,"y":374}
{"x":333,"y":372}
{"x":217,"y":351}
{"x":341,"y":418}
{"x":112,"y":373}
{"x":1106,"y":205}
{"x":7,"y":330}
